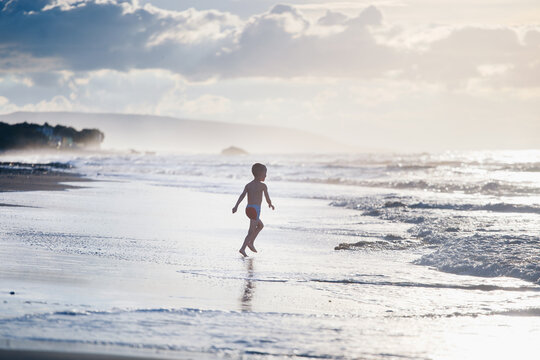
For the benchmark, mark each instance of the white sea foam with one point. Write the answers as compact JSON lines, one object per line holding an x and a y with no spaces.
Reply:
{"x":488,"y":255}
{"x":470,"y":238}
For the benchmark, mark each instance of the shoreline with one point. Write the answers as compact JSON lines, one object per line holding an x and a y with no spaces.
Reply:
{"x":36,"y":177}
{"x":16,"y":354}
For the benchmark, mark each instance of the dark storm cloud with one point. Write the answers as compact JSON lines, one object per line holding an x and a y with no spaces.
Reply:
{"x":94,"y":35}
{"x":121,"y":35}
{"x":91,"y":35}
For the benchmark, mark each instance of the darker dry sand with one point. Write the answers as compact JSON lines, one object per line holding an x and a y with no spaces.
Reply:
{"x":29,"y":177}
{"x":57,"y":355}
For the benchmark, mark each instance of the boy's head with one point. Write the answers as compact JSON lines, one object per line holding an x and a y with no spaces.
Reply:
{"x":259,"y":171}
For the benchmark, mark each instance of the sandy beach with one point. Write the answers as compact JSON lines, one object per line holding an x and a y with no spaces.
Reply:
{"x":137,"y":267}
{"x":35,"y":177}
{"x":51,"y":355}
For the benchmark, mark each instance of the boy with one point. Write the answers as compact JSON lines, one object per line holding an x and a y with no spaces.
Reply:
{"x":254,"y":191}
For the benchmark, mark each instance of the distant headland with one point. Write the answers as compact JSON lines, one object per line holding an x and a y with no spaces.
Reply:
{"x":170,"y":134}
{"x":233,"y":150}
{"x":24,"y":136}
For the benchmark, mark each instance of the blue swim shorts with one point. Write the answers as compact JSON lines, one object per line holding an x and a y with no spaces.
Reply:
{"x":253,"y":212}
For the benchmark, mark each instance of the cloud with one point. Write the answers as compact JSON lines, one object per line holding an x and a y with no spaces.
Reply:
{"x":56,"y":103}
{"x":207,"y":105}
{"x":495,"y":54}
{"x":150,"y":91}
{"x":279,"y":44}
{"x":23,"y":6}
{"x":332,"y":18}
{"x":92,"y":35}
{"x":369,"y":16}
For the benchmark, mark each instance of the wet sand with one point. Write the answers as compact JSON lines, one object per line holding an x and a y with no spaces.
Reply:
{"x":29,"y":177}
{"x":58,"y":355}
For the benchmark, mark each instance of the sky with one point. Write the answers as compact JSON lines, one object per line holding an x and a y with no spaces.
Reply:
{"x":412,"y":75}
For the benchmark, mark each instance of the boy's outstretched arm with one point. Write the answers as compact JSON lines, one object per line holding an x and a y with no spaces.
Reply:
{"x":240,"y":198}
{"x":268,"y":198}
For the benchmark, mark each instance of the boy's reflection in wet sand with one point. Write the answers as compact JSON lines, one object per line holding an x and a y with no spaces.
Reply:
{"x":249,"y":286}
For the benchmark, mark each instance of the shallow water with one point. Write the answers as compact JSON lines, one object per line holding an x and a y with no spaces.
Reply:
{"x":146,"y":262}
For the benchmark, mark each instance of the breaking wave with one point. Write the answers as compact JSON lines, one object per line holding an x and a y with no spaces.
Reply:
{"x":488,"y":256}
{"x":468,"y":238}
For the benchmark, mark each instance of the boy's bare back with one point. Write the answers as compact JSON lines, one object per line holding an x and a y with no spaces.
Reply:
{"x":255,"y":191}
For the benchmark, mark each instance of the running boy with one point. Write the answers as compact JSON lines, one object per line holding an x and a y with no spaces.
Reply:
{"x":254,"y":191}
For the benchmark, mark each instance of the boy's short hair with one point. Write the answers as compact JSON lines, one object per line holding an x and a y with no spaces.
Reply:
{"x":257,"y":169}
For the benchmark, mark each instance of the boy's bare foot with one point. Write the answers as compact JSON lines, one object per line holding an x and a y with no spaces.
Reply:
{"x":243,"y":252}
{"x":252,"y":248}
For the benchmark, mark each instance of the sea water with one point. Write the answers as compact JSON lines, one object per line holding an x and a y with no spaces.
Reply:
{"x":366,"y":256}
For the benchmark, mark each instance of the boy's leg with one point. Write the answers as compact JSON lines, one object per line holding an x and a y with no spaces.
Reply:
{"x":247,"y":240}
{"x":258,"y":229}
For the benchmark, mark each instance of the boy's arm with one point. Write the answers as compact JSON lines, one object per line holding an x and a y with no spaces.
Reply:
{"x":265,"y":190}
{"x":240,"y":198}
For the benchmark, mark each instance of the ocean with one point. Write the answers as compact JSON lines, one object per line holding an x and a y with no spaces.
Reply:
{"x":371,"y":256}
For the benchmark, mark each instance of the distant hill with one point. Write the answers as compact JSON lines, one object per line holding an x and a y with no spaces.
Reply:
{"x":148,"y":132}
{"x":33,"y":136}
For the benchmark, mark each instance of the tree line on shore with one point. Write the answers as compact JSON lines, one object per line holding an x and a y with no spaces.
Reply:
{"x":33,"y":136}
